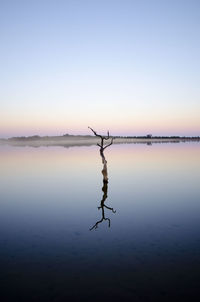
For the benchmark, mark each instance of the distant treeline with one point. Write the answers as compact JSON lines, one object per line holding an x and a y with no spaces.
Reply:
{"x":149,"y":136}
{"x":38,"y":137}
{"x":160,"y":137}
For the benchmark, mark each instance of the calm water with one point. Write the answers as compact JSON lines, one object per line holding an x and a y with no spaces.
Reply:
{"x":50,"y":249}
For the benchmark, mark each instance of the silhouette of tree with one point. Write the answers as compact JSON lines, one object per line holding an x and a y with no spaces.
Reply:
{"x":102,"y":148}
{"x":105,"y":177}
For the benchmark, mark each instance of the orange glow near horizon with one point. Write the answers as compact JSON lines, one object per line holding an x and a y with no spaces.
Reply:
{"x":118,"y":125}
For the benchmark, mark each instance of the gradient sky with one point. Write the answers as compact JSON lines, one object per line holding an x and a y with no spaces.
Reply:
{"x":129,"y":66}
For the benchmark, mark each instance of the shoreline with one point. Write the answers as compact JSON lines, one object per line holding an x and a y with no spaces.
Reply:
{"x":75,"y":141}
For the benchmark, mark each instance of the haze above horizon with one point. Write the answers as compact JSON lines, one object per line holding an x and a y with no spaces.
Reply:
{"x":132,"y":67}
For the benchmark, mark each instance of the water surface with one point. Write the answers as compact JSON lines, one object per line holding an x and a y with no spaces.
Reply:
{"x":147,"y":248}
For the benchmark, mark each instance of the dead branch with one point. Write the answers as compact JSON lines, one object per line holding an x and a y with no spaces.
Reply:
{"x":102,"y":147}
{"x":95,"y":226}
{"x":114,"y":211}
{"x":105,"y":177}
{"x":103,"y":206}
{"x":94,"y":132}
{"x":109,"y":144}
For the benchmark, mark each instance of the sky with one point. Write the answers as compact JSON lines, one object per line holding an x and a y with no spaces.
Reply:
{"x":130,"y":66}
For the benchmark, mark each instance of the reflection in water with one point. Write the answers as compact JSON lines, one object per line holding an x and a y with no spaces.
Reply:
{"x":47,"y":252}
{"x":102,"y":206}
{"x":105,"y":178}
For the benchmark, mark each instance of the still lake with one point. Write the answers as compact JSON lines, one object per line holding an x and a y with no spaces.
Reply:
{"x":141,"y":244}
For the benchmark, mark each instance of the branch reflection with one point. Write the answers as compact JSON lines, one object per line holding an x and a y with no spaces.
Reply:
{"x":103,"y":206}
{"x":105,"y":180}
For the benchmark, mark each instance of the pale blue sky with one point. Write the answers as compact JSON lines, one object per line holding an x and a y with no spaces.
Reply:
{"x":130,"y":66}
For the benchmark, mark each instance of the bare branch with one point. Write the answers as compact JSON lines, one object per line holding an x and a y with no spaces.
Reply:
{"x":101,"y":136}
{"x":94,"y":132}
{"x":109,"y":208}
{"x":108,"y":221}
{"x":108,"y":136}
{"x":109,"y":144}
{"x":95,"y":226}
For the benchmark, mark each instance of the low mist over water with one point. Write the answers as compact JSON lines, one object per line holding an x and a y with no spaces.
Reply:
{"x":147,"y":247}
